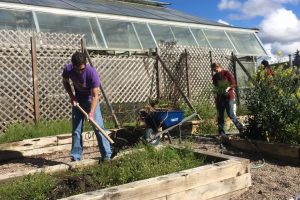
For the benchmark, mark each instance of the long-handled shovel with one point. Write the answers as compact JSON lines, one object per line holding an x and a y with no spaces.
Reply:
{"x":95,"y":124}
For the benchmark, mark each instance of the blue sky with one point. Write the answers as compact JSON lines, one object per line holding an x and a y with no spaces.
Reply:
{"x":278,"y":20}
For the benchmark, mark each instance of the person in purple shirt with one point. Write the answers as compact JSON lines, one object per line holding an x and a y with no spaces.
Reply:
{"x":86,"y":84}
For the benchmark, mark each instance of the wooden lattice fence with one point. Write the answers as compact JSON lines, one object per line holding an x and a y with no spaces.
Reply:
{"x":31,"y":65}
{"x":30,"y":82}
{"x":191,"y":68}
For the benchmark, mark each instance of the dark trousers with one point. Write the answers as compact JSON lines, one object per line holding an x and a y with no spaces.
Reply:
{"x":230,"y":107}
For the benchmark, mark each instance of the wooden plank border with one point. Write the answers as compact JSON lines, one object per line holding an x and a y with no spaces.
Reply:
{"x":286,"y":152}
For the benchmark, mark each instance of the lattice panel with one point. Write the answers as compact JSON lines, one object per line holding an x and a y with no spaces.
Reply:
{"x":20,"y":39}
{"x":125,"y":79}
{"x":59,"y":40}
{"x":16,"y":100}
{"x":54,"y":101}
{"x":174,"y":57}
{"x":16,"y":85}
{"x":200,"y":76}
{"x":54,"y":51}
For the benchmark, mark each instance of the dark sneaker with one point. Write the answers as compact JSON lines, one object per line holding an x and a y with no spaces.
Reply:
{"x":103,"y":160}
{"x":74,"y":160}
{"x":224,"y":139}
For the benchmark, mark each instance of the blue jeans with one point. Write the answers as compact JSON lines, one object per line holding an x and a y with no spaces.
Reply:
{"x":77,"y":128}
{"x":230,"y":107}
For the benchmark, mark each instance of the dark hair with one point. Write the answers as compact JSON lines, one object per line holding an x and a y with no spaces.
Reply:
{"x":78,"y":59}
{"x":265,"y":63}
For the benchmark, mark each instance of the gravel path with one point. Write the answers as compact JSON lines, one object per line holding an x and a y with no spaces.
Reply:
{"x":274,"y":180}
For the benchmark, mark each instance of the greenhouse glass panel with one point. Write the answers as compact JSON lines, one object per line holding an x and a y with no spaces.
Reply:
{"x":95,"y":27}
{"x":162,"y":33}
{"x":183,"y":36}
{"x":128,"y":10}
{"x":16,"y":20}
{"x":246,"y":43}
{"x":66,"y":24}
{"x":144,"y":35}
{"x":218,"y":39}
{"x":119,"y":34}
{"x":161,"y":13}
{"x":200,"y":37}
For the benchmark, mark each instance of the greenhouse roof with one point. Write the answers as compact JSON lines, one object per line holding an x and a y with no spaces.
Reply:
{"x":126,"y":24}
{"x":134,"y":8}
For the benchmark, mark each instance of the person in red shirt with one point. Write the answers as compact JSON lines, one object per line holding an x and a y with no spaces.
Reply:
{"x":268,"y":70}
{"x":224,"y":83}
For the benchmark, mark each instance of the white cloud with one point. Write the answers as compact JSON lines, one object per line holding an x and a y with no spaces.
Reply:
{"x":223,"y":22}
{"x":252,"y":8}
{"x":281,"y":25}
{"x":285,"y":48}
{"x":279,"y":28}
{"x":229,"y":4}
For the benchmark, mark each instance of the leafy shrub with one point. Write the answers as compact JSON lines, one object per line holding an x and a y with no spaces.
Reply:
{"x":274,"y":104}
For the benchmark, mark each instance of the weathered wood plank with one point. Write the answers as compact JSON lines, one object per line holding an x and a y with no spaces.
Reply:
{"x":229,"y":195}
{"x":67,"y":138}
{"x":274,"y":150}
{"x":37,"y":143}
{"x":214,"y":189}
{"x":30,"y":144}
{"x":12,"y":154}
{"x":50,"y":169}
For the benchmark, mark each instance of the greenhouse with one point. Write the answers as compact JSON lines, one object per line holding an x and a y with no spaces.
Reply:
{"x":130,"y":45}
{"x":126,"y":24}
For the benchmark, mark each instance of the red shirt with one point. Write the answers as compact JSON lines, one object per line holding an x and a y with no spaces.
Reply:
{"x":224,"y":77}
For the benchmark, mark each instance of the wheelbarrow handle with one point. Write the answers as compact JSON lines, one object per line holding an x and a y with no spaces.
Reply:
{"x":102,"y":131}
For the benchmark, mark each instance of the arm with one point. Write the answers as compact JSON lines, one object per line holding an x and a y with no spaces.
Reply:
{"x":231,"y":80}
{"x":95,"y":99}
{"x":68,"y":88}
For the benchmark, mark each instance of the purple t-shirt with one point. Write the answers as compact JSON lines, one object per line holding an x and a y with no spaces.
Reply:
{"x":84,"y":82}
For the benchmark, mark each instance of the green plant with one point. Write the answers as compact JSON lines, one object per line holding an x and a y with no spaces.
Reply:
{"x":36,"y":187}
{"x":205,"y":110}
{"x":274,"y":104}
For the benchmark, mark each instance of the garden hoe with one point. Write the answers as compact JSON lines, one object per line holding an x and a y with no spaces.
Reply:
{"x":102,"y":131}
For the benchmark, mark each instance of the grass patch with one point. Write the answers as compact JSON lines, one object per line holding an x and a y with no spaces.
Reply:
{"x":137,"y":165}
{"x":18,"y":132}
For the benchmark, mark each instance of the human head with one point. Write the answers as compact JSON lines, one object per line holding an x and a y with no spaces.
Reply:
{"x":79,"y":61}
{"x":265,"y":63}
{"x":216,"y":67}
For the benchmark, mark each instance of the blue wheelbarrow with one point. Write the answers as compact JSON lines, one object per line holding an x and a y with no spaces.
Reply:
{"x":159,"y":120}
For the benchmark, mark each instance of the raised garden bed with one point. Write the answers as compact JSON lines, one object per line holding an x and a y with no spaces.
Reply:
{"x":286,"y":152}
{"x":222,"y":176}
{"x":226,"y":177}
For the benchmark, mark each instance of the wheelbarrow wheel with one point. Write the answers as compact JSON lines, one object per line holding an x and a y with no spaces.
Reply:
{"x":149,"y":137}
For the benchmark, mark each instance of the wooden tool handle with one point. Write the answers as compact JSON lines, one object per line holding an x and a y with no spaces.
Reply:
{"x":102,"y":131}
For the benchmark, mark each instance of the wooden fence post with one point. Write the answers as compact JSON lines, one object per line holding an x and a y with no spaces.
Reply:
{"x":235,"y":78}
{"x":35,"y":79}
{"x":187,"y":74}
{"x":83,"y":45}
{"x":158,"y":92}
